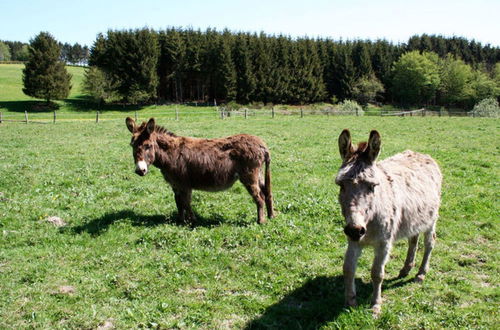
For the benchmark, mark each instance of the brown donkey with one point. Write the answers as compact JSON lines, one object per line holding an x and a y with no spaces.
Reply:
{"x":382,"y":202}
{"x":205,"y":164}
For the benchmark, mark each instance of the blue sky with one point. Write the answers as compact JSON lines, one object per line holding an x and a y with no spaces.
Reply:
{"x":394,"y":20}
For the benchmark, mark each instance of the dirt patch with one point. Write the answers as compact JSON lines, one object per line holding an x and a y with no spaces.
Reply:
{"x":106,"y":325}
{"x":56,"y":221}
{"x":66,"y":289}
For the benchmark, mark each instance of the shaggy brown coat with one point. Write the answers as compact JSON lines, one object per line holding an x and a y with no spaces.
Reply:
{"x":382,"y":202}
{"x":205,"y":164}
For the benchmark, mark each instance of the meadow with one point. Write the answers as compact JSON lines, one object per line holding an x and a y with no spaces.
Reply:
{"x":124,"y":260}
{"x":129,"y":262}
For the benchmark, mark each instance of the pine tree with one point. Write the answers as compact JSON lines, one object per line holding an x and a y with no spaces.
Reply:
{"x":45,"y":76}
{"x":361,"y":59}
{"x":344,"y":73}
{"x":226,"y":72}
{"x":263,"y":68}
{"x":245,"y":77}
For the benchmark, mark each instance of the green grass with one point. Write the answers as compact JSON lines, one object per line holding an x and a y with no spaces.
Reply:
{"x":132,"y":264}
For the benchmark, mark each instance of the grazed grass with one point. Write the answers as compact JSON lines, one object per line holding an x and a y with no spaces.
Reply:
{"x":127,"y":261}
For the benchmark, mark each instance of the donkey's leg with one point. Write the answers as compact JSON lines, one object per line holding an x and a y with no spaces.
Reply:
{"x":429,"y":240}
{"x":410,"y":257}
{"x":267,"y":195}
{"x":180,"y":204}
{"x":183,"y":201}
{"x":381,"y":256}
{"x":251,"y":181}
{"x":350,"y":262}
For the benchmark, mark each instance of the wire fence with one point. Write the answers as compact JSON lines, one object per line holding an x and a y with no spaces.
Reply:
{"x":207,"y":112}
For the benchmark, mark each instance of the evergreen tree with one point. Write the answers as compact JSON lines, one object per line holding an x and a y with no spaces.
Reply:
{"x":263,"y":69}
{"x":130,"y":59}
{"x":344,"y":73}
{"x":361,"y":59}
{"x":226,"y":72}
{"x":45,"y":76}
{"x":98,"y":86}
{"x":171,"y":65}
{"x":245,"y":77}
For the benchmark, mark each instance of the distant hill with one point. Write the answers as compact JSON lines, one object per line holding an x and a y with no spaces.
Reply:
{"x":11,"y":82}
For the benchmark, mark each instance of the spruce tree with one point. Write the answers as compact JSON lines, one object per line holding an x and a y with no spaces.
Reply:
{"x":344,"y":72}
{"x":226,"y":72}
{"x":245,"y":77}
{"x":45,"y":76}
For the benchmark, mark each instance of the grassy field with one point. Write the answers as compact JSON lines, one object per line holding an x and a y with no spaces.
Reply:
{"x":124,"y":260}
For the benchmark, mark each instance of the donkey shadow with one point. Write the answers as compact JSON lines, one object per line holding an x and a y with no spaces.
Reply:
{"x":314,"y":304}
{"x":317,"y":302}
{"x":97,"y":226}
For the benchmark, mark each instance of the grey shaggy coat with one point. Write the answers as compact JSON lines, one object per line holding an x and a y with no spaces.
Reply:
{"x":383,"y":202}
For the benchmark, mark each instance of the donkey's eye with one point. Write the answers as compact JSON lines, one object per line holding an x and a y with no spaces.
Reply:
{"x":147,"y":146}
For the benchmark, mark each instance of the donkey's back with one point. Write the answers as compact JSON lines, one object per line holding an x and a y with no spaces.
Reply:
{"x":415,"y":183}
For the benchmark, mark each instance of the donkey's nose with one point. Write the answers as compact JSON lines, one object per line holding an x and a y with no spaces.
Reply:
{"x":141,"y":171}
{"x":355,"y":232}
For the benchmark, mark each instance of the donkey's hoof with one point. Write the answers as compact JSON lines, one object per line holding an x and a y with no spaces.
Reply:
{"x":376,"y":309}
{"x":351,"y":302}
{"x":261,"y":221}
{"x":419,"y":278}
{"x":403,"y":273}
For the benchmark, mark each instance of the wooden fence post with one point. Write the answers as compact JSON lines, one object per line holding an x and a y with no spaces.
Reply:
{"x":221,"y":113}
{"x":97,"y":117}
{"x":245,"y":113}
{"x":272,"y":112}
{"x":176,"y":113}
{"x":136,"y":116}
{"x":301,"y":113}
{"x":26,"y":116}
{"x":54,"y":116}
{"x":0,"y":117}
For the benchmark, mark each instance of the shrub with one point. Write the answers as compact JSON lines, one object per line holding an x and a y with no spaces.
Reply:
{"x":366,"y":89}
{"x":487,"y":108}
{"x":350,"y":107}
{"x":97,"y":85}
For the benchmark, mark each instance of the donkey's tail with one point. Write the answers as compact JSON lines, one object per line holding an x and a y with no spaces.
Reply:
{"x":267,"y":185}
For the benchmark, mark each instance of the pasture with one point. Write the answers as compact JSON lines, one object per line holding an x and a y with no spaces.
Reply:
{"x":123,"y":259}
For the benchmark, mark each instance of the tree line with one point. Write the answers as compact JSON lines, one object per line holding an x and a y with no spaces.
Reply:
{"x":182,"y":65}
{"x":176,"y":65}
{"x":75,"y":54}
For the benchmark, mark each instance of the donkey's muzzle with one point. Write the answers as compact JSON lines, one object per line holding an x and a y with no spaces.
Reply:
{"x":141,"y":168}
{"x":354,"y":232}
{"x":141,"y":171}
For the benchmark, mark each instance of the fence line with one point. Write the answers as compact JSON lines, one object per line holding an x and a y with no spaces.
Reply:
{"x":217,"y":112}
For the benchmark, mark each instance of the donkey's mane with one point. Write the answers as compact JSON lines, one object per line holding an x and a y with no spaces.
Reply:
{"x":162,"y":130}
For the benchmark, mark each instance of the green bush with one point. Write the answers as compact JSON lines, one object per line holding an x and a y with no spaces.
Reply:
{"x":487,"y":108}
{"x":350,"y":107}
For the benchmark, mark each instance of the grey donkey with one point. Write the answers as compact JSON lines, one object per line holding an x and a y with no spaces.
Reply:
{"x":383,"y":202}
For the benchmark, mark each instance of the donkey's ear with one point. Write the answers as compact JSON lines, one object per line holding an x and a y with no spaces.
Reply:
{"x":150,"y":126}
{"x":345,"y":145}
{"x":374,"y":143}
{"x":130,"y":124}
